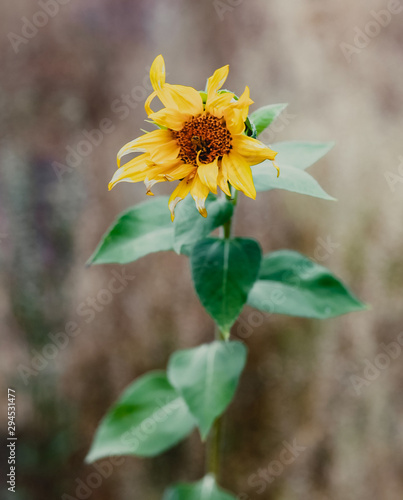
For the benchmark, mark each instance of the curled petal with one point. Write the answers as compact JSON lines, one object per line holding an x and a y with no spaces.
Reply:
{"x":199,"y":192}
{"x":215,"y":82}
{"x":145,"y":142}
{"x":158,"y":173}
{"x":157,"y":78}
{"x":157,"y":73}
{"x":243,"y":103}
{"x":179,"y":97}
{"x":276,"y":167}
{"x":180,"y":192}
{"x":147,"y":104}
{"x":133,"y":171}
{"x":237,"y":112}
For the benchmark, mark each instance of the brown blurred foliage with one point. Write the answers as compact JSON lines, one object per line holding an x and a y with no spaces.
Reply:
{"x":78,"y":70}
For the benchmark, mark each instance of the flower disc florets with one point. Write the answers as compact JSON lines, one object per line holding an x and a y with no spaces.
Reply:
{"x":203,"y":139}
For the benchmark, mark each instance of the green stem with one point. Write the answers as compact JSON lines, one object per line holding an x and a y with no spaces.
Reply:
{"x":213,"y":449}
{"x":215,"y":436}
{"x":226,"y":227}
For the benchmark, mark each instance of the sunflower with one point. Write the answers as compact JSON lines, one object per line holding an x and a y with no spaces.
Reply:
{"x":200,"y":141}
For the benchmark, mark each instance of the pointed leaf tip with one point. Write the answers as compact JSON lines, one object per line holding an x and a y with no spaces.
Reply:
{"x":207,"y":377}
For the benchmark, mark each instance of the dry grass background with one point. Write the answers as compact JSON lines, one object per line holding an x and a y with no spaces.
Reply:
{"x":297,"y":384}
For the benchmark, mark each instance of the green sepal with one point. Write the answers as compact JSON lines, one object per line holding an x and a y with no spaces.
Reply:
{"x":290,"y":283}
{"x":250,"y":128}
{"x":207,"y":377}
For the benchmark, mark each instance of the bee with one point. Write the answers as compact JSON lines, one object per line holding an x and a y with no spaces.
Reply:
{"x":199,"y":144}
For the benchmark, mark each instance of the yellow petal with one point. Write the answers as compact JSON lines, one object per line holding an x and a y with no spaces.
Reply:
{"x":170,"y":171}
{"x":187,"y":99}
{"x":156,"y":171}
{"x":208,"y":175}
{"x":157,"y":73}
{"x":239,"y":173}
{"x":149,"y":183}
{"x":234,"y":120}
{"x":145,"y":142}
{"x":180,"y":97}
{"x":222,"y":179}
{"x":252,"y":149}
{"x":157,"y":77}
{"x":215,"y":82}
{"x":170,"y":118}
{"x":152,"y":179}
{"x":148,"y":102}
{"x":179,"y":172}
{"x":236,"y":113}
{"x":199,"y":192}
{"x":181,"y":190}
{"x":219,"y":103}
{"x":165,"y":152}
{"x":243,"y":103}
{"x":133,"y":171}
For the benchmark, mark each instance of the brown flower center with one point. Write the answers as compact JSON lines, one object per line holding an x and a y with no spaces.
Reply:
{"x":204,"y":135}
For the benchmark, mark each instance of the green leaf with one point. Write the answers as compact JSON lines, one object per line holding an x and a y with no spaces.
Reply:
{"x":223,"y":273}
{"x":207,"y":377}
{"x":149,"y":418}
{"x":264,"y":116}
{"x":143,"y":229}
{"x":300,"y":154}
{"x":290,"y":283}
{"x":290,"y":179}
{"x":206,"y":489}
{"x":293,"y":158}
{"x":190,"y":226}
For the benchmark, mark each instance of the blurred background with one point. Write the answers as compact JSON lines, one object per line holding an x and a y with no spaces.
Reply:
{"x":70,"y":68}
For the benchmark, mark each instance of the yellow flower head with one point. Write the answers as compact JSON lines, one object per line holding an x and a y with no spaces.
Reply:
{"x":200,"y":142}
